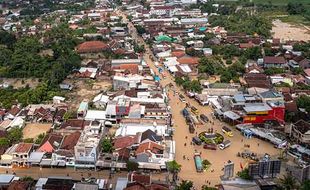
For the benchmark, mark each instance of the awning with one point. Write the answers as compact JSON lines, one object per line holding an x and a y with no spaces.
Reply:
{"x":231,"y":115}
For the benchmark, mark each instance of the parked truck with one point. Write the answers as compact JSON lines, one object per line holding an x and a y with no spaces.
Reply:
{"x":198,"y":162}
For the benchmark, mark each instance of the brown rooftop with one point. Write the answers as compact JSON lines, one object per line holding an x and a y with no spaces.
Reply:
{"x":274,"y":60}
{"x":302,"y":126}
{"x":92,"y":47}
{"x":23,"y":147}
{"x":70,"y":141}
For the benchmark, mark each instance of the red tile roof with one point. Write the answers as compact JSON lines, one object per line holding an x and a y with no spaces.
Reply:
{"x":246,"y":45}
{"x":140,"y":178}
{"x":92,"y":47}
{"x":178,"y":54}
{"x":274,"y":60}
{"x":14,"y":111}
{"x":19,"y":185}
{"x":123,"y":142}
{"x":188,"y":60}
{"x":77,"y":124}
{"x":70,"y":141}
{"x":23,"y":147}
{"x":149,"y":146}
{"x":132,"y":68}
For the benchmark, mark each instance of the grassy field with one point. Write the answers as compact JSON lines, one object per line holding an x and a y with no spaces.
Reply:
{"x":280,"y":2}
{"x":274,"y":2}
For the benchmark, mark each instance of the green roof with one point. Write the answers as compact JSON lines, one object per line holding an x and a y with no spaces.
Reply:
{"x":164,"y":38}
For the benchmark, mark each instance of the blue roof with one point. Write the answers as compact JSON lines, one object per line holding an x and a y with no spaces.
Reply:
{"x":202,"y":29}
{"x":83,"y":106}
{"x":190,"y":30}
{"x":157,"y":78}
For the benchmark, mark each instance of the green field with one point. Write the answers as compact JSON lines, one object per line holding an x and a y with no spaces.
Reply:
{"x":274,"y":2}
{"x":281,"y":2}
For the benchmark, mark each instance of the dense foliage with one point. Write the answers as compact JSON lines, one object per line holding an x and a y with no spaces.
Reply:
{"x":26,"y":95}
{"x":304,"y":102}
{"x":244,"y":174}
{"x":107,"y":145}
{"x":243,"y":22}
{"x":24,"y":60}
{"x":185,"y":185}
{"x":187,"y":84}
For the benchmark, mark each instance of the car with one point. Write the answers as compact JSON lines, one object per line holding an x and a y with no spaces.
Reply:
{"x":197,"y":140}
{"x":181,"y":97}
{"x":210,"y":146}
{"x":204,"y":118}
{"x":194,"y":110}
{"x":227,"y":131}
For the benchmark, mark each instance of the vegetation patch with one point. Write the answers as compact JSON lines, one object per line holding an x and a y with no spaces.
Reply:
{"x":215,"y":139}
{"x":206,"y":164}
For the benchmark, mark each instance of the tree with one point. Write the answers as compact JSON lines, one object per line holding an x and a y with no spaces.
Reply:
{"x":304,"y":102}
{"x":4,"y":142}
{"x":15,"y":135}
{"x":185,"y":185}
{"x":173,"y":167}
{"x":40,"y":138}
{"x":140,"y":29}
{"x":71,"y":114}
{"x":288,"y":182}
{"x":27,"y":178}
{"x":305,"y":185}
{"x":206,"y":187}
{"x":244,"y":174}
{"x":294,"y":8}
{"x":132,"y":166}
{"x":253,"y":53}
{"x":107,"y":145}
{"x":7,"y":38}
{"x":28,"y":140}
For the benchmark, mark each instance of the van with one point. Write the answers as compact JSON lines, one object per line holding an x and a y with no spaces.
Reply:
{"x":191,"y":128}
{"x":194,"y":110}
{"x":210,"y":146}
{"x":225,"y":144}
{"x":204,"y":118}
{"x":196,"y":140}
{"x":227,"y":131}
{"x":182,"y":98}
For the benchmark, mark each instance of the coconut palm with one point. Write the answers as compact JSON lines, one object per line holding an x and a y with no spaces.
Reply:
{"x":288,"y":182}
{"x":173,"y":167}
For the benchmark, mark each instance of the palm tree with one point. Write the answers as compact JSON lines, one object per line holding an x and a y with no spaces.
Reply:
{"x":174,"y":168}
{"x":184,"y":185}
{"x":305,"y":185}
{"x":288,"y":182}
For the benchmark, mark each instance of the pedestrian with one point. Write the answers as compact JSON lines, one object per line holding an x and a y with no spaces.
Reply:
{"x":241,"y":140}
{"x":257,"y":144}
{"x":184,"y":144}
{"x":185,"y":137}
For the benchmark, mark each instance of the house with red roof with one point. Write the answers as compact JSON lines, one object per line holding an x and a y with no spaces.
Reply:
{"x":65,"y":154}
{"x":274,"y":62}
{"x":17,"y":154}
{"x":51,"y":143}
{"x":92,"y":47}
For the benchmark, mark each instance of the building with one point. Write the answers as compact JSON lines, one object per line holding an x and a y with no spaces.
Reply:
{"x":300,"y":131}
{"x":86,"y":150}
{"x":17,"y":154}
{"x":91,"y":47}
{"x":274,"y":62}
{"x":50,"y":143}
{"x":82,"y":110}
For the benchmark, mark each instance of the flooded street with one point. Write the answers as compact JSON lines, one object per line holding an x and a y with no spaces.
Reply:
{"x":216,"y":157}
